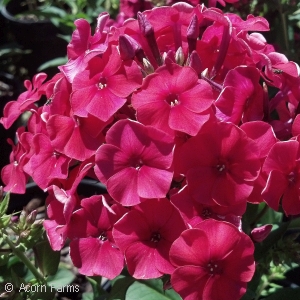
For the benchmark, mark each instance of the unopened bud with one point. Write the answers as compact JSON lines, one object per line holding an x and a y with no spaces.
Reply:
{"x":148,"y":68}
{"x":145,"y":27}
{"x":127,"y":47}
{"x":24,"y":234}
{"x":193,"y":33}
{"x":260,"y":233}
{"x":169,"y":57}
{"x":31,"y":217}
{"x":179,"y":56}
{"x":195,"y":62}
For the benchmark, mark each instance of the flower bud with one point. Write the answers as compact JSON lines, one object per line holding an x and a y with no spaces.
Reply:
{"x":260,"y":233}
{"x":147,"y":66}
{"x":127,"y":47}
{"x":179,"y":56}
{"x":193,"y":33}
{"x":31,"y":217}
{"x":195,"y":62}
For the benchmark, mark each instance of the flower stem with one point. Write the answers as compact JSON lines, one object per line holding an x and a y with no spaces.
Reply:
{"x":25,"y":260}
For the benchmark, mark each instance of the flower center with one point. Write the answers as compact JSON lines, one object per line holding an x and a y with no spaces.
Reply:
{"x":102,"y":83}
{"x":213,"y":268}
{"x":103,"y":236}
{"x":291,"y":178}
{"x":136,"y":162}
{"x":206,"y":213}
{"x":172,"y":100}
{"x":155,"y":237}
{"x":221,"y":167}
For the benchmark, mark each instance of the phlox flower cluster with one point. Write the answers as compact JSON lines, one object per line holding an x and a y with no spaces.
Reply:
{"x":172,"y":112}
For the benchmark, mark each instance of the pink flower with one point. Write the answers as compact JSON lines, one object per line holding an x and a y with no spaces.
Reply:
{"x":214,"y":262}
{"x":220,"y":164}
{"x":96,"y":253}
{"x":193,"y":212}
{"x":76,"y":137}
{"x":135,"y":162}
{"x":145,"y":235}
{"x":46,"y":164}
{"x":25,"y":101}
{"x":245,"y":103}
{"x":173,"y":98}
{"x":283,"y":170}
{"x":84,"y":46}
{"x":102,"y":89}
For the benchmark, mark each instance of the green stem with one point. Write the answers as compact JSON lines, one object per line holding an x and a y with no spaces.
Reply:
{"x":284,"y":27}
{"x":25,"y":260}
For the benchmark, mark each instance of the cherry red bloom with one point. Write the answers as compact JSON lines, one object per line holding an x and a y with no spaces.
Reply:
{"x":220,"y":164}
{"x":102,"y":89}
{"x":173,"y":98}
{"x":283,"y":168}
{"x":76,"y":137}
{"x":135,"y":162}
{"x":244,"y":103}
{"x":214,"y":262}
{"x":194,"y":212}
{"x":96,"y":253}
{"x":25,"y":101}
{"x":145,"y":235}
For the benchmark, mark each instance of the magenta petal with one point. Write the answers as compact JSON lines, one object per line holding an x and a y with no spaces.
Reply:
{"x":129,"y":136}
{"x":275,"y":187}
{"x":109,"y":160}
{"x":55,"y":239}
{"x":126,"y":233}
{"x":191,"y":248}
{"x":104,"y":104}
{"x":140,"y":260}
{"x":162,"y":260}
{"x":239,"y":265}
{"x":229,"y":191}
{"x":222,"y":237}
{"x":123,"y":187}
{"x":182,"y":119}
{"x":290,"y":200}
{"x":83,"y":253}
{"x":201,"y":182}
{"x":60,"y":129}
{"x":216,"y":286}
{"x":282,"y":157}
{"x":94,"y":257}
{"x":155,"y":114}
{"x":110,"y":261}
{"x":197,"y":99}
{"x":189,"y":282}
{"x":159,"y":152}
{"x":153,"y":183}
{"x":80,"y":99}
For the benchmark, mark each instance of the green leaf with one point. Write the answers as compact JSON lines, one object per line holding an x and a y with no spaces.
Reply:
{"x":4,"y":204}
{"x":120,"y":286}
{"x":285,"y":293}
{"x":52,"y":63}
{"x":62,"y":278}
{"x":87,"y":296}
{"x":98,"y":292}
{"x":4,"y":221}
{"x":46,"y":258}
{"x":150,"y":290}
